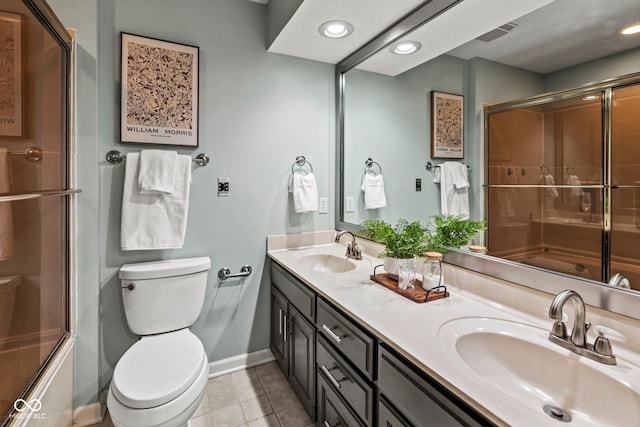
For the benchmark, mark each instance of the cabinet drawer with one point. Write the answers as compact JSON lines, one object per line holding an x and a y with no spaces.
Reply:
{"x":421,"y":401}
{"x":332,"y":411}
{"x":345,"y":380}
{"x":387,"y":417}
{"x":355,"y":344}
{"x":298,"y":294}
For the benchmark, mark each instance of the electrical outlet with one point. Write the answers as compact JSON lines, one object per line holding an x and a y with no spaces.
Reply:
{"x":323,"y":206}
{"x":349,"y":204}
{"x":418,"y":184}
{"x":223,"y":187}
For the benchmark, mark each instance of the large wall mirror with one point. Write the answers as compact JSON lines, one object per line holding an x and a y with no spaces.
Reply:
{"x":490,"y":55}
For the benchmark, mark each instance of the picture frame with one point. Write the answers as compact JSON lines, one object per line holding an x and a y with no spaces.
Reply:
{"x":11,"y":107}
{"x":159,"y":91}
{"x":447,"y":125}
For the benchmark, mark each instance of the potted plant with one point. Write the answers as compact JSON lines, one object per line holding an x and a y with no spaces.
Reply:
{"x":403,"y":243}
{"x":452,"y":232}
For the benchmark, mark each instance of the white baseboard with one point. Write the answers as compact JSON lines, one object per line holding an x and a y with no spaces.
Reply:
{"x":237,"y":363}
{"x":90,"y":414}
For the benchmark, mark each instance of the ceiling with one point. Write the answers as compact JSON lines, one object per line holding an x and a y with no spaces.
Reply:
{"x":549,"y":35}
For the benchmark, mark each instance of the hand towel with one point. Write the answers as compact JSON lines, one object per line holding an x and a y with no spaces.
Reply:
{"x":157,"y":171}
{"x":373,"y":187}
{"x":154,"y":221}
{"x":548,"y":180}
{"x":305,"y":192}
{"x":507,"y":207}
{"x":6,"y":211}
{"x":436,"y":174}
{"x":572,"y":179}
{"x":454,"y":189}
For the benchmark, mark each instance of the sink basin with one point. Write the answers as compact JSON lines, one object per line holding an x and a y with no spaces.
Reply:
{"x":520,"y":363}
{"x":327,"y":263}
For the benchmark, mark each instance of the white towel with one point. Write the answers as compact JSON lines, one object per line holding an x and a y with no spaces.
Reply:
{"x":6,"y":211}
{"x":154,"y":221}
{"x":373,"y":187}
{"x":548,"y":180}
{"x":572,"y":179}
{"x":305,"y":192}
{"x":157,"y":171}
{"x":454,"y":189}
{"x":507,"y":206}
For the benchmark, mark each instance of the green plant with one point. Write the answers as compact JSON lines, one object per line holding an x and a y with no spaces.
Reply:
{"x":452,"y":232}
{"x":405,"y":240}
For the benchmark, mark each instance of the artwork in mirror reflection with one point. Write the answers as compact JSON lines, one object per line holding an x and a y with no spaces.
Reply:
{"x":558,"y":224}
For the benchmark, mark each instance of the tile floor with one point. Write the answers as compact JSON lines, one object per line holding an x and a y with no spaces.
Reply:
{"x":254,"y":397}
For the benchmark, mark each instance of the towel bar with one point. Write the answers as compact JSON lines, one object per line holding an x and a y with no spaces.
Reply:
{"x":225,"y":273}
{"x":429,"y":166}
{"x":115,"y":157}
{"x":300,"y":161}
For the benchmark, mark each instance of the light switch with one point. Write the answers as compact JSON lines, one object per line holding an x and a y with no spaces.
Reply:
{"x":349,"y":204}
{"x":323,"y":205}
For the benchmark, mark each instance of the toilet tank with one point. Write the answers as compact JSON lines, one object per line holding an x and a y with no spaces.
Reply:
{"x":163,"y":296}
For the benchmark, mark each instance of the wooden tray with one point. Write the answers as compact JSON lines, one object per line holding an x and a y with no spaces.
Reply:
{"x":416,"y":295}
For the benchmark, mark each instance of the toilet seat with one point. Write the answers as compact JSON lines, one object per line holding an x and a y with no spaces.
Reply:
{"x":157,"y":369}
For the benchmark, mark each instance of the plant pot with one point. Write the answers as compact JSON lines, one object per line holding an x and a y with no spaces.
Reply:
{"x":392,"y":265}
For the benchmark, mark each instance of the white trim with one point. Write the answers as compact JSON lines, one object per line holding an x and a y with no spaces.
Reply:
{"x":237,"y":363}
{"x":91,"y":414}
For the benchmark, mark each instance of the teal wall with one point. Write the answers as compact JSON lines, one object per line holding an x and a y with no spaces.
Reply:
{"x":258,"y":111}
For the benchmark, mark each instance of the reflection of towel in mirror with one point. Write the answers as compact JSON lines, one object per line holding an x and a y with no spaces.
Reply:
{"x":573,"y":180}
{"x":548,"y":180}
{"x":373,"y":187}
{"x":507,"y":205}
{"x":6,"y":211}
{"x":154,"y":221}
{"x":454,"y":189}
{"x":305,"y":192}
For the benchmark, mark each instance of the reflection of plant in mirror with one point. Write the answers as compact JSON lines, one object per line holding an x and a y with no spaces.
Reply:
{"x":405,"y":240}
{"x":452,"y":232}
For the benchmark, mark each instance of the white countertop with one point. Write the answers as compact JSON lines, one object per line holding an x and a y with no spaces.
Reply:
{"x":413,"y":329}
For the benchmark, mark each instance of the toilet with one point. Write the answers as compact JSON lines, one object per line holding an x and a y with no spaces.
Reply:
{"x":161,"y":379}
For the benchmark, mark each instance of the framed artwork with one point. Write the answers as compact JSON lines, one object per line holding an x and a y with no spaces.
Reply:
{"x":10,"y":74}
{"x":447,"y":137}
{"x":159,"y":103}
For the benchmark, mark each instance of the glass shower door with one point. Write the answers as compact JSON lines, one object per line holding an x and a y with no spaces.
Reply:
{"x":34,"y":197}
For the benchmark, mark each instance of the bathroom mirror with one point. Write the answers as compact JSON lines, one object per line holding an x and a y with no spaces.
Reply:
{"x":383,"y":99}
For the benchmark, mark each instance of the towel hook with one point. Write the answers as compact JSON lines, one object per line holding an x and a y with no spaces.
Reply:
{"x":301,"y":161}
{"x":370,"y":162}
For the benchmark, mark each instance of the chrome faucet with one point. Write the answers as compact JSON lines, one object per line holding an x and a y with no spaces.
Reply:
{"x":353,"y":249}
{"x":619,"y":280}
{"x":600,"y":351}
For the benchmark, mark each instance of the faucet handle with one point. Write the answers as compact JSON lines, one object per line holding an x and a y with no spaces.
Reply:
{"x":602,"y":346}
{"x":559,"y":329}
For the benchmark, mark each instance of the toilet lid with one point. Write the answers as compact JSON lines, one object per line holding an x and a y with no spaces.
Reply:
{"x":157,"y":369}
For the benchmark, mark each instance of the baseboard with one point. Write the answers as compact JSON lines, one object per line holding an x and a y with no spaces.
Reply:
{"x":90,"y":414}
{"x":237,"y":363}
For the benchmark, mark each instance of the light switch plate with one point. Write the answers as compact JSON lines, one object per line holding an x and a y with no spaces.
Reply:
{"x":323,"y":205}
{"x":349,"y":204}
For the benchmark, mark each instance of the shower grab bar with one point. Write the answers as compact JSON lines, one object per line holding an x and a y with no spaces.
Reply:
{"x":32,"y":154}
{"x":300,"y":161}
{"x":115,"y":157}
{"x":13,"y":197}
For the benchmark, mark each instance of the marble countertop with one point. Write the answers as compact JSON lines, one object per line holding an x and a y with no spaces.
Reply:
{"x":414,"y":329}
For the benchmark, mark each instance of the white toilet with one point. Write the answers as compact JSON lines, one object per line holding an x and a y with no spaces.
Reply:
{"x":160,"y":380}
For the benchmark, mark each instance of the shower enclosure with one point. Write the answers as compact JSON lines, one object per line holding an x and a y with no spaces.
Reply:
{"x":563,"y":180}
{"x":35,"y":196}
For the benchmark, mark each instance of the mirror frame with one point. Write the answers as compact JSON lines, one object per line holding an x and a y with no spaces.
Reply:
{"x":594,"y":293}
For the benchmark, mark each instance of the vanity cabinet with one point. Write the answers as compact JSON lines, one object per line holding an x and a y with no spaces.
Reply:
{"x":410,"y":397}
{"x":293,"y":334}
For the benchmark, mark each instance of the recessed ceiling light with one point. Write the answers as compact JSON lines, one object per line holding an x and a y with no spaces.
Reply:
{"x":335,"y":29}
{"x":631,"y":29}
{"x":405,"y":47}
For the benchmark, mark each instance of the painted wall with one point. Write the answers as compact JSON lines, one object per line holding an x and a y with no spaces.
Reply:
{"x":258,"y":111}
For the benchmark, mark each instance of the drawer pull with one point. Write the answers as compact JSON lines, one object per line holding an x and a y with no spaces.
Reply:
{"x":285,"y":327}
{"x":332,"y":379}
{"x":326,"y":424}
{"x":280,"y":320}
{"x":332,"y":334}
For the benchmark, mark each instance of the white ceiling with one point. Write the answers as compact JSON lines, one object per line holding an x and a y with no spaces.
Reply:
{"x":550,"y":35}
